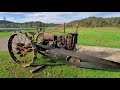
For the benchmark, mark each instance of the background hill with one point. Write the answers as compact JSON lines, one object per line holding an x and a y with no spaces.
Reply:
{"x":9,"y":24}
{"x":97,"y":22}
{"x":86,"y":22}
{"x":5,"y":22}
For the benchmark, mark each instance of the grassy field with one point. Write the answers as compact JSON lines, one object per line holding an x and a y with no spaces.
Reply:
{"x":8,"y":69}
{"x":100,"y":36}
{"x":108,"y":37}
{"x":5,"y":34}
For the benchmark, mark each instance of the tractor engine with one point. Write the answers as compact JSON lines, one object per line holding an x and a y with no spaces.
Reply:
{"x":68,"y":42}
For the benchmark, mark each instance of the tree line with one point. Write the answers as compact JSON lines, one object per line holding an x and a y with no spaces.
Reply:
{"x":96,"y":22}
{"x":87,"y":22}
{"x":8,"y":24}
{"x":37,"y":24}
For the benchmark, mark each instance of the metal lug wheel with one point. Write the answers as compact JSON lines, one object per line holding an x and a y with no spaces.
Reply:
{"x":21,"y":49}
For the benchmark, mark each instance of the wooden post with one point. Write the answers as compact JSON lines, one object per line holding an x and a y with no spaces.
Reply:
{"x":76,"y":27}
{"x":64,"y":32}
{"x":64,"y":28}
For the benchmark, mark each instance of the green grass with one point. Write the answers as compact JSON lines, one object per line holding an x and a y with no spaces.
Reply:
{"x":5,"y":34}
{"x":9,"y":69}
{"x":107,"y":37}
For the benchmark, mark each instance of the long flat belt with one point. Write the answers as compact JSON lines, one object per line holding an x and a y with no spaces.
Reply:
{"x":86,"y":61}
{"x":91,"y":65}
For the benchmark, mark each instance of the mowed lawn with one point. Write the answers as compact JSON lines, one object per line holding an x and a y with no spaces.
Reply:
{"x":99,"y":36}
{"x":9,"y":69}
{"x":5,"y":34}
{"x":108,"y":37}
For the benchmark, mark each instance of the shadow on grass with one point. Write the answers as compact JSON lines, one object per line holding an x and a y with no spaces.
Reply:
{"x":109,"y":70}
{"x":35,"y":65}
{"x":41,"y":67}
{"x":47,"y":61}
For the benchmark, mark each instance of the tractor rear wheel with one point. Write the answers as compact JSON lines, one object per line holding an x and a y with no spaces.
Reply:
{"x":21,"y":49}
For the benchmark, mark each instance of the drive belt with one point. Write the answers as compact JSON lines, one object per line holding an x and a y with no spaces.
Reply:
{"x":86,"y":61}
{"x":91,"y":65}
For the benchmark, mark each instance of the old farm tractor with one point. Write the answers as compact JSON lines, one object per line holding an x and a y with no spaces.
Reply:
{"x":24,"y":50}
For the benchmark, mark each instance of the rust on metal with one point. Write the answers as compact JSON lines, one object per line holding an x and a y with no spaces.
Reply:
{"x":20,"y":50}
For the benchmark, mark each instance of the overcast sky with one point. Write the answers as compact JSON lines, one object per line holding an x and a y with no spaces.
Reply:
{"x":53,"y":17}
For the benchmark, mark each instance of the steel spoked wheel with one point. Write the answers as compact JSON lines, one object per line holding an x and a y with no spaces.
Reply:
{"x":21,"y":49}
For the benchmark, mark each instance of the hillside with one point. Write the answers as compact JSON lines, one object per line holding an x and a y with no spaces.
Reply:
{"x":51,"y":24}
{"x":9,"y":24}
{"x":86,"y":22}
{"x":97,"y":22}
{"x":5,"y":22}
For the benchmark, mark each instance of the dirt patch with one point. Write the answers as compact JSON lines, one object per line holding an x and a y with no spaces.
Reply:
{"x":112,"y":54}
{"x":4,"y":44}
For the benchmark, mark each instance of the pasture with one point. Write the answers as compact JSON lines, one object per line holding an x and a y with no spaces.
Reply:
{"x":105,"y":37}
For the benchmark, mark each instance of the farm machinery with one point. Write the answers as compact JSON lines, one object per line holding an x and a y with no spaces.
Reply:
{"x":24,"y":49}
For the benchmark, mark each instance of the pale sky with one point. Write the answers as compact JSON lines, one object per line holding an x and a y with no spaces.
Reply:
{"x":53,"y":17}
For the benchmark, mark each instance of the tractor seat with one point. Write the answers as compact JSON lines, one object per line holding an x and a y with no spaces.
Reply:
{"x":32,"y":33}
